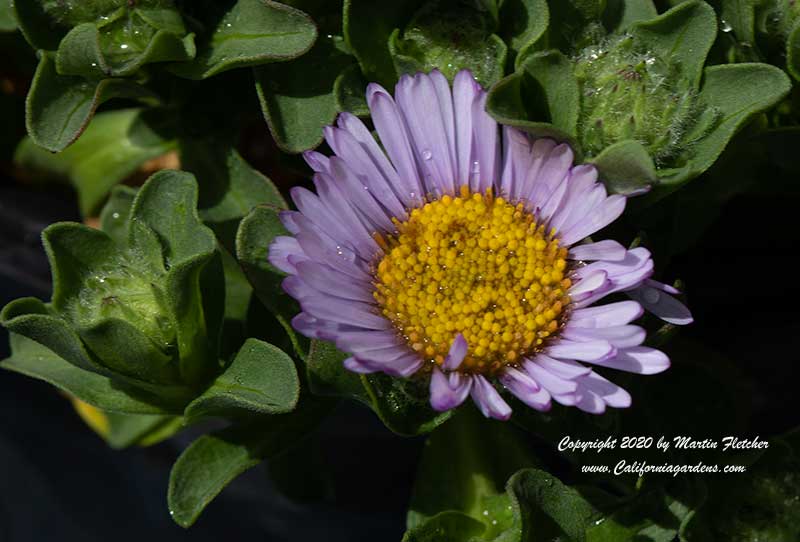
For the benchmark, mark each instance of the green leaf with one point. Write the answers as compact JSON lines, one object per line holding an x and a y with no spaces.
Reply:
{"x":114,"y":145}
{"x":327,"y":376}
{"x":403,"y":405}
{"x":738,"y":92}
{"x":8,"y":22}
{"x":124,"y":349}
{"x":115,"y":215}
{"x":120,"y":47}
{"x":167,"y":204}
{"x":256,"y":232}
{"x":40,"y":29}
{"x":126,"y":430}
{"x":350,"y":91}
{"x":230,"y":187}
{"x":214,"y":460}
{"x":621,"y":14}
{"x":250,"y":33}
{"x":545,"y":509}
{"x":480,"y":455}
{"x":260,"y":379}
{"x":522,"y":24}
{"x":297,"y":97}
{"x":683,"y":35}
{"x":450,"y":35}
{"x":446,"y":527}
{"x":626,"y":167}
{"x":793,"y":52}
{"x":654,"y":515}
{"x":543,"y":88}
{"x":36,"y":361}
{"x":59,"y":108}
{"x":367,"y":26}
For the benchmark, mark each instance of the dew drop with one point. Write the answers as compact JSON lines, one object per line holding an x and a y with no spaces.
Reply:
{"x":725,"y":25}
{"x":485,"y":512}
{"x":123,"y":46}
{"x":427,"y":154}
{"x":115,"y":216}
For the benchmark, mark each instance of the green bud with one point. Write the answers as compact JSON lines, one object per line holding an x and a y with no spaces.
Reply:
{"x":630,"y":93}
{"x":450,"y":35}
{"x":141,"y":302}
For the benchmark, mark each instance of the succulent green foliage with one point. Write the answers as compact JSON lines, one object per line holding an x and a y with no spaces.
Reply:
{"x":114,"y":145}
{"x":636,"y":101}
{"x":450,"y":35}
{"x":145,"y":311}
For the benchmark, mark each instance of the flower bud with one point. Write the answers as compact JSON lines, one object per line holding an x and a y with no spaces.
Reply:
{"x":631,"y":93}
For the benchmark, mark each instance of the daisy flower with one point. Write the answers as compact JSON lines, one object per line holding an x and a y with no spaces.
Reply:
{"x":457,"y":251}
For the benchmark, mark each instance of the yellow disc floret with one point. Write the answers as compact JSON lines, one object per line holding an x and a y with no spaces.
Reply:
{"x":479,"y":266}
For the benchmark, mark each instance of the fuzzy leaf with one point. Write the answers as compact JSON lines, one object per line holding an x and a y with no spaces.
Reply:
{"x":230,"y":187}
{"x":327,"y":376}
{"x":256,"y":232}
{"x":522,"y":23}
{"x":626,"y":168}
{"x":446,"y":527}
{"x":35,"y":360}
{"x":115,"y":215}
{"x":350,"y":91}
{"x":113,"y":146}
{"x":260,"y":379}
{"x":59,"y":108}
{"x":297,"y":97}
{"x":403,"y":405}
{"x":214,"y":460}
{"x":250,"y":33}
{"x":738,"y":92}
{"x":367,"y":26}
{"x":481,"y":455}
{"x":621,"y":14}
{"x":793,"y":52}
{"x":543,"y":88}
{"x":683,"y":34}
{"x":545,"y":509}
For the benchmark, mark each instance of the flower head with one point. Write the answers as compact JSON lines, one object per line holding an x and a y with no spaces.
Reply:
{"x":454,"y":255}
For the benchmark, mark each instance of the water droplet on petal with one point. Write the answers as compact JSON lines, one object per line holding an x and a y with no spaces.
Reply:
{"x":427,"y":154}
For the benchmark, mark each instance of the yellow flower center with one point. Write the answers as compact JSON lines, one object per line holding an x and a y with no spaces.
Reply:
{"x":475,"y":265}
